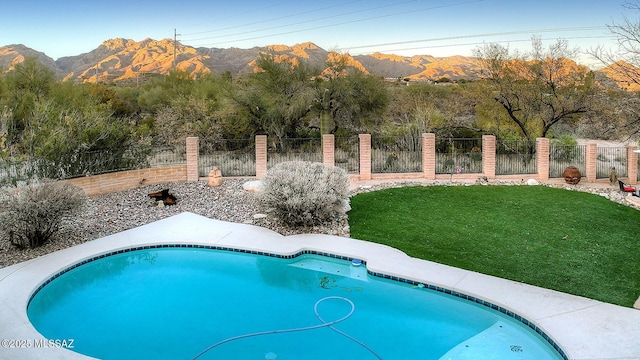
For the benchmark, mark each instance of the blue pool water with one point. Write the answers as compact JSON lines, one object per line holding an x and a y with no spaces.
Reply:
{"x":185,"y":303}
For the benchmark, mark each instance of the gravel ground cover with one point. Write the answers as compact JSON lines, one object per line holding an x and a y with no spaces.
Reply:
{"x":108,"y":214}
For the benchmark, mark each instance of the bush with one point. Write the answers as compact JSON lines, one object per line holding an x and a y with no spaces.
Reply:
{"x":31,"y":215}
{"x":305,"y":193}
{"x":565,"y":149}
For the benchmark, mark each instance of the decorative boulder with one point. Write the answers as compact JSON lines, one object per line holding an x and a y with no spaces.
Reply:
{"x":215,"y":177}
{"x":253,"y":186}
{"x":571,"y":175}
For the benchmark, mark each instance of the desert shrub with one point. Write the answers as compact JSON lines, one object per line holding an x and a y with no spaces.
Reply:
{"x":565,"y":148}
{"x":31,"y":215}
{"x":305,"y":193}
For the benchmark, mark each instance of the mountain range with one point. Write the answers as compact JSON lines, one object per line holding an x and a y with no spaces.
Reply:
{"x":128,"y":60}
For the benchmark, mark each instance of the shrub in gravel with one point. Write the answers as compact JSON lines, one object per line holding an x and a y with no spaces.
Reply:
{"x":305,"y":193}
{"x":31,"y":215}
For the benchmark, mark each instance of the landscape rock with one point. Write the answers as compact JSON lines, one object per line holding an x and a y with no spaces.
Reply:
{"x":215,"y":177}
{"x":253,"y":186}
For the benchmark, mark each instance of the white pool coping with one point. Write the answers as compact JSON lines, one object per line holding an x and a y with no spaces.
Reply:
{"x":585,"y":329}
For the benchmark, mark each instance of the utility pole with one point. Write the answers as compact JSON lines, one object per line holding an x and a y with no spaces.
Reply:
{"x":175,"y":42}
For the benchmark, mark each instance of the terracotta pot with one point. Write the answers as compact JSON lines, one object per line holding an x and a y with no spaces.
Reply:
{"x":571,"y":175}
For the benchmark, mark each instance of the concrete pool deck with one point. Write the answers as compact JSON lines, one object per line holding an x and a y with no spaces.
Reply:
{"x":585,"y":329}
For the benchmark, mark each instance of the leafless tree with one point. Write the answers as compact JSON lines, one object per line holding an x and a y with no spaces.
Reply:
{"x":624,"y":66}
{"x":624,"y":61}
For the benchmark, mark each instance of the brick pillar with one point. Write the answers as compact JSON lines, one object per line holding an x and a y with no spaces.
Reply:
{"x":261,"y":155}
{"x":365,"y":156}
{"x":542,"y":158}
{"x":489,"y":156}
{"x":591,"y":159}
{"x":429,"y":156}
{"x":192,"y":148}
{"x":632,"y":164}
{"x":328,"y":149}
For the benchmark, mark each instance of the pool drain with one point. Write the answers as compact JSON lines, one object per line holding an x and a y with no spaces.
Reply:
{"x":329,"y":324}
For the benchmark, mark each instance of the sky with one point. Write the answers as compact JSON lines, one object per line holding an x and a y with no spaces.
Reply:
{"x":402,"y":27}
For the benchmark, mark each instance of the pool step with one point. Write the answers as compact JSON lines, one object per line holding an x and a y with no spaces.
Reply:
{"x":501,"y":341}
{"x":338,"y":267}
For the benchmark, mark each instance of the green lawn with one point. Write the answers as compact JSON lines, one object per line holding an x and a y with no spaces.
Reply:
{"x":570,"y":241}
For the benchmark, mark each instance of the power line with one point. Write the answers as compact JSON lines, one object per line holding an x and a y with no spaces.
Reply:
{"x":347,"y":22}
{"x":481,"y":43}
{"x":272,"y":19}
{"x":243,"y":13}
{"x":483,"y":35}
{"x":302,"y":22}
{"x":448,"y":38}
{"x":504,"y":33}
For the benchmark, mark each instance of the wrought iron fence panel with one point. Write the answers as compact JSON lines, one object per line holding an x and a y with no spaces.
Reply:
{"x":94,"y":163}
{"x":515,"y":157}
{"x":305,"y":149}
{"x":608,"y":158}
{"x":563,"y":156}
{"x":14,"y":171}
{"x":458,"y":156}
{"x":167,"y":156}
{"x":388,"y":155}
{"x":347,"y":154}
{"x":396,"y":154}
{"x":233,"y":157}
{"x":66,"y":166}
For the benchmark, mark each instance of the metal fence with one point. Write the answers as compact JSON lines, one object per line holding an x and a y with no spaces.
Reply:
{"x":388,"y":155}
{"x":232,"y":157}
{"x":458,"y":156}
{"x":303,"y":149}
{"x":67,"y":166}
{"x":347,"y":154}
{"x":608,"y":158}
{"x":165,"y":156}
{"x":563,"y":156}
{"x":515,"y":157}
{"x":398,"y":154}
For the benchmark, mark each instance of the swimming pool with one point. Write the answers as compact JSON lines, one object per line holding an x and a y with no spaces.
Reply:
{"x":202,"y":302}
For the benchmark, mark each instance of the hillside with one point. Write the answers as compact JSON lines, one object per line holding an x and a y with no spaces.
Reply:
{"x":128,"y":60}
{"x":121,"y":59}
{"x":621,"y":73}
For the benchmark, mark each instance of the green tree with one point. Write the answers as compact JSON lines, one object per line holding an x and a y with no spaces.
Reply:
{"x":33,"y":77}
{"x":537,"y":90}
{"x":348,"y":98}
{"x":26,"y":84}
{"x":192,"y":108}
{"x":447,"y":111}
{"x":82,"y":141}
{"x":277,"y":99}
